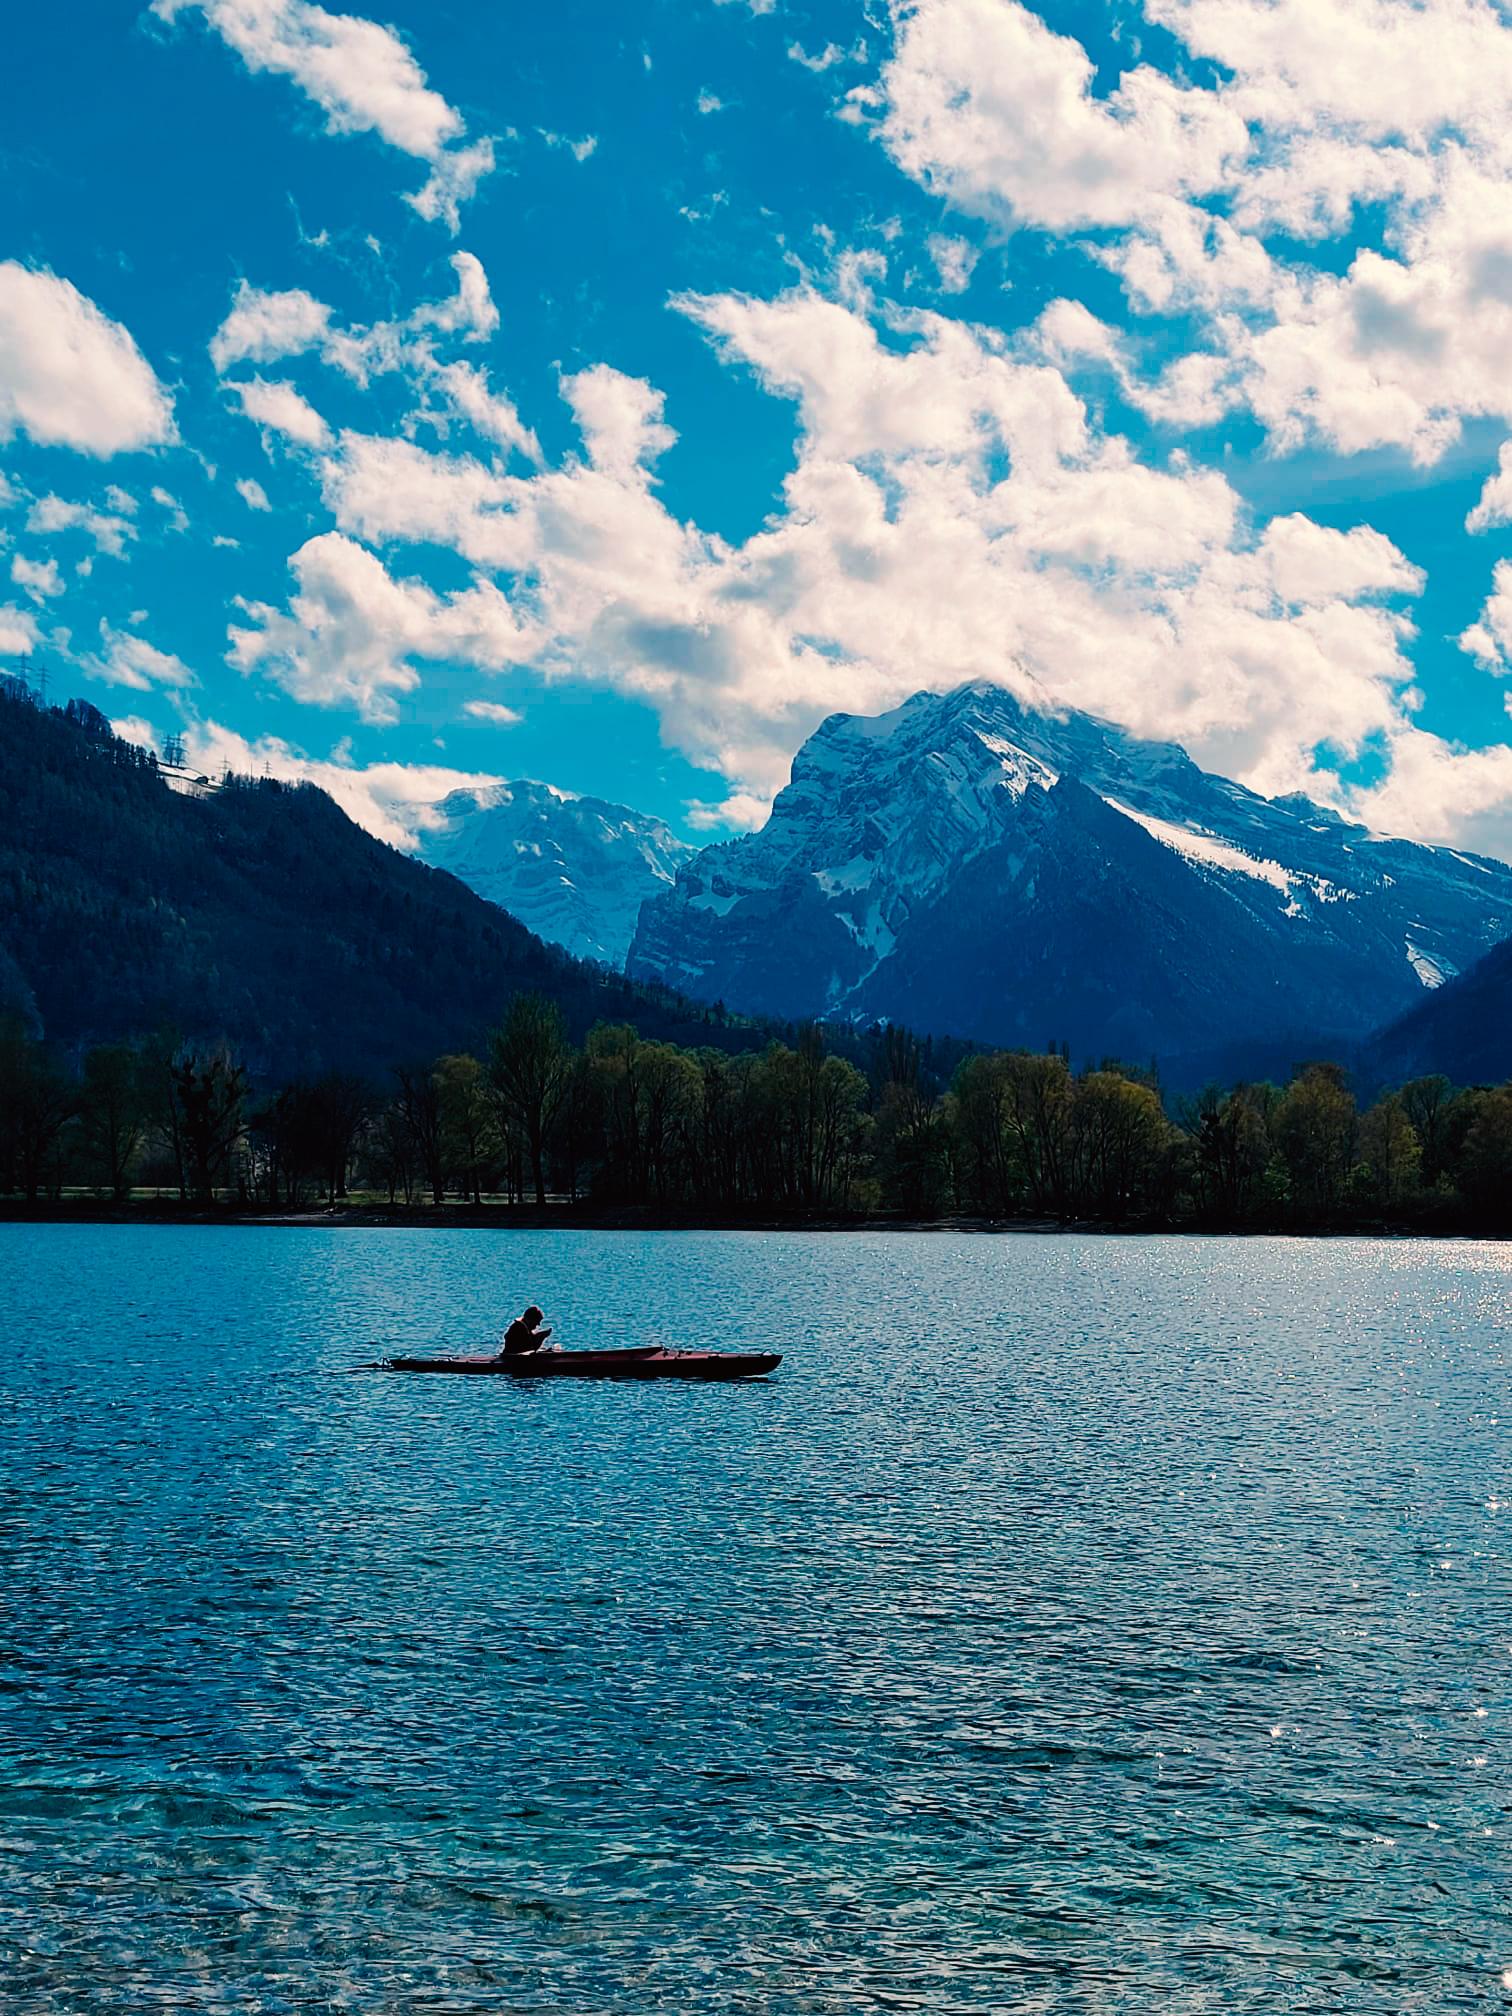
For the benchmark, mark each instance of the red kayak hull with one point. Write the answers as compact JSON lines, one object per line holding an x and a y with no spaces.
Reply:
{"x":646,"y":1361}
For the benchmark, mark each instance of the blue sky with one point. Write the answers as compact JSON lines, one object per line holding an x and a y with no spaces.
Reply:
{"x":607,"y":394}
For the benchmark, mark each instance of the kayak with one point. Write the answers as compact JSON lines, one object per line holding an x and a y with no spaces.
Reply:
{"x":641,"y":1361}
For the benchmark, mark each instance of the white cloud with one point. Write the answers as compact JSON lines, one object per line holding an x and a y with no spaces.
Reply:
{"x":351,"y":630}
{"x":941,"y":456}
{"x":954,"y":260}
{"x":465,"y":394}
{"x":1495,"y":506}
{"x":578,"y":149}
{"x":451,"y":183}
{"x":396,"y":802}
{"x":225,"y":539}
{"x":1489,"y":639}
{"x":1437,"y":792}
{"x":178,"y":517}
{"x":494,"y":711}
{"x":362,"y":77}
{"x":1323,"y":106}
{"x":252,"y":494}
{"x":987,"y":107}
{"x":264,"y":327}
{"x":741,"y":812}
{"x":124,"y":660}
{"x":39,"y":578}
{"x":828,"y":56}
{"x":18,"y":632}
{"x":619,"y":419}
{"x":70,"y":377}
{"x":470,"y":312}
{"x":57,"y":514}
{"x":136,"y":729}
{"x":278,"y":409}
{"x":708,"y":102}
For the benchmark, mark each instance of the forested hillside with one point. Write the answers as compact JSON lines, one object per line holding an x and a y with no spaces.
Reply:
{"x":1464,"y":1029}
{"x":258,"y":913}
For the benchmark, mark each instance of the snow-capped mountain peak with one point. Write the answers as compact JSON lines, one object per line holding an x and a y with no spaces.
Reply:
{"x":969,"y":862}
{"x":575,"y":870}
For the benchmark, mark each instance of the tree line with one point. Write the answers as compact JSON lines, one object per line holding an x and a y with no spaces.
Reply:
{"x":830,"y":1123}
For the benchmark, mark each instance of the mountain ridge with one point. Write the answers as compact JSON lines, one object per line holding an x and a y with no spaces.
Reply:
{"x":258,"y":912}
{"x":912,"y":858}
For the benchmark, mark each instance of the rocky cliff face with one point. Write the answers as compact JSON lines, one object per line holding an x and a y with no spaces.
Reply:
{"x":575,"y":870}
{"x":969,"y":865}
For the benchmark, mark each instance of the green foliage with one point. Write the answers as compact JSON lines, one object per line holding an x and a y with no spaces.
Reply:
{"x":530,"y":1069}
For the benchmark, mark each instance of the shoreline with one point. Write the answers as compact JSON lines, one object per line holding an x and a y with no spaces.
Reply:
{"x":562,"y":1217}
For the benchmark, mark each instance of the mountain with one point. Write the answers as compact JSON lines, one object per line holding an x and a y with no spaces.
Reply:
{"x":257,"y":911}
{"x":574,"y":870}
{"x":1463,"y":1030}
{"x":975,"y":866}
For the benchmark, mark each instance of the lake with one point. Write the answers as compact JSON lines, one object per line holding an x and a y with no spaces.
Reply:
{"x":1071,"y":1624}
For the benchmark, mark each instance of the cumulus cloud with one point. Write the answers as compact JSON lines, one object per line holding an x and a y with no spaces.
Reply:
{"x":252,"y":494}
{"x":362,"y":77}
{"x":264,"y":327}
{"x":1196,"y":195}
{"x":954,"y":260}
{"x":109,"y":530}
{"x":954,"y":514}
{"x":38,"y":578}
{"x":494,"y":711}
{"x":459,"y":391}
{"x":126,"y":660}
{"x":69,"y":376}
{"x":1495,"y":505}
{"x":178,"y":517}
{"x":351,"y":630}
{"x":988,"y":107}
{"x":18,"y":631}
{"x":451,"y":183}
{"x":470,"y":312}
{"x":396,"y":802}
{"x":278,"y":409}
{"x":1436,"y":791}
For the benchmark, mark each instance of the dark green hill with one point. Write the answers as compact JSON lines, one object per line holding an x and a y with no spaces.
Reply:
{"x":258,"y":912}
{"x":1463,"y":1029}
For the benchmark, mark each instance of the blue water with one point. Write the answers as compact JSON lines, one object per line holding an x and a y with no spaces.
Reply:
{"x":1071,"y":1624}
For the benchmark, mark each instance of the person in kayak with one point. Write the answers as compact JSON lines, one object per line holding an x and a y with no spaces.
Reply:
{"x":523,"y":1335}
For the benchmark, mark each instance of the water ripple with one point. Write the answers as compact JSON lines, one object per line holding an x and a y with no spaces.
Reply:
{"x":1071,"y":1625}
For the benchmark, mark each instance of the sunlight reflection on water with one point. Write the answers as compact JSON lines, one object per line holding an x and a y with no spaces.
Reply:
{"x":1071,"y":1624}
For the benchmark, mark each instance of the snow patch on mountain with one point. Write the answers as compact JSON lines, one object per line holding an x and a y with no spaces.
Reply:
{"x":1432,"y":972}
{"x":1211,"y":852}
